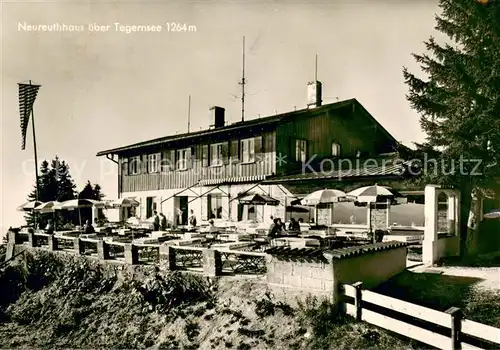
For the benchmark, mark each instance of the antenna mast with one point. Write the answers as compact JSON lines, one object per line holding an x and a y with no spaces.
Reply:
{"x":242,"y":83}
{"x":189,"y":113}
{"x":316,"y":69}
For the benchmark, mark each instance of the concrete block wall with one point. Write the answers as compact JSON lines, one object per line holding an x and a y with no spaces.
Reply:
{"x":310,"y":276}
{"x":324,"y":275}
{"x":372,"y":268}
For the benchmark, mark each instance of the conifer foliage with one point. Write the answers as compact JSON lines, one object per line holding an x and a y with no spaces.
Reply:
{"x":56,"y":184}
{"x":458,"y":98}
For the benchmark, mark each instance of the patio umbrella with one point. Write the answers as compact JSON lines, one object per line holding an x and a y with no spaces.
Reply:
{"x":370,"y":194}
{"x":325,"y":196}
{"x":123,"y":203}
{"x":259,"y":199}
{"x":48,"y":207}
{"x":493,"y":214}
{"x":81,"y":203}
{"x":29,"y":206}
{"x":297,"y":209}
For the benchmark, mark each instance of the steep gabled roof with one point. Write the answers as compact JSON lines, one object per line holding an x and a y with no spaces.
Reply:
{"x":246,"y":125}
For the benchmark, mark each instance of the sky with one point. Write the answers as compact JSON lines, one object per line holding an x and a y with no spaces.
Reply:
{"x":101,"y":90}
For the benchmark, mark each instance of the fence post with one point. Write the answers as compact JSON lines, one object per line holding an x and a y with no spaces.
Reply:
{"x":13,"y":237}
{"x":212,"y":263}
{"x":78,"y":246}
{"x":102,"y":250}
{"x":456,"y":327}
{"x":31,"y":239}
{"x":53,"y":243}
{"x":167,"y":256}
{"x":131,"y":253}
{"x":358,"y":299}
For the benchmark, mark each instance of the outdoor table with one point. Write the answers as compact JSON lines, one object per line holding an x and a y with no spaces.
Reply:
{"x":296,"y":242}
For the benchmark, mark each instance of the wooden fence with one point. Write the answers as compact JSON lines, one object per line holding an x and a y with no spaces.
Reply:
{"x":394,"y":315}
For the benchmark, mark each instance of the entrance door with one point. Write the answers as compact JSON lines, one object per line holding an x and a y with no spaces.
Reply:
{"x":183,"y":204}
{"x":181,"y":207}
{"x":149,"y":207}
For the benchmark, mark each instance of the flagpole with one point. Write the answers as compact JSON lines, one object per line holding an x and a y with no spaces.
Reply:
{"x":34,"y":149}
{"x":36,"y":159}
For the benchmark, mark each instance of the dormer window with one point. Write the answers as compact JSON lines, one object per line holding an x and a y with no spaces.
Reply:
{"x":335,"y":149}
{"x":301,"y":150}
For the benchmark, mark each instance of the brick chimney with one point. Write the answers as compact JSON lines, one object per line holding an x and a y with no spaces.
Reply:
{"x":314,"y":93}
{"x":217,"y":119}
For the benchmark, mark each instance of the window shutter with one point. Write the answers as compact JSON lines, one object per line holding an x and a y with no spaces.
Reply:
{"x":235,"y":151}
{"x":124,"y":166}
{"x":172,"y":160}
{"x":293,"y":148}
{"x":158,"y":161}
{"x":204,"y":155}
{"x":164,"y":161}
{"x":132,"y":162}
{"x":225,"y":153}
{"x":189,"y":158}
{"x":209,"y":206}
{"x":196,"y":154}
{"x":258,"y":148}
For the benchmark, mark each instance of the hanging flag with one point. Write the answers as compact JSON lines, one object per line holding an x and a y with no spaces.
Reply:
{"x":27,"y":96}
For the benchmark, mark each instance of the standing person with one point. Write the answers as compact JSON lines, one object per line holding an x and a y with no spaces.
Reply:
{"x":156,"y":221}
{"x":49,"y":229}
{"x":192,"y":219}
{"x":163,"y":222}
{"x":179,"y":217}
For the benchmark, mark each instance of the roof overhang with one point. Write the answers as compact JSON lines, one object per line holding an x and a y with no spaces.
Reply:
{"x":256,"y":125}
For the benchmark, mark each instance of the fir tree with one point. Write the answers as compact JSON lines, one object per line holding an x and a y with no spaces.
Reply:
{"x":66,"y":188}
{"x":54,"y":184}
{"x":458,"y":100}
{"x":96,"y":193}
{"x":87,"y":192}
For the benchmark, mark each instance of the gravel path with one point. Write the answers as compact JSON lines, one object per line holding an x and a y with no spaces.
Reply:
{"x":490,"y":275}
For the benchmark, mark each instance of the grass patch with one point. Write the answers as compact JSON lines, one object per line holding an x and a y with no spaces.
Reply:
{"x":440,"y":292}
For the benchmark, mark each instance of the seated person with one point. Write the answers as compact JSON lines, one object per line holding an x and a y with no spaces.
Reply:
{"x":294,"y":225}
{"x":275,"y":228}
{"x":211,"y":227}
{"x":88,"y":228}
{"x":281,"y":224}
{"x":49,"y":229}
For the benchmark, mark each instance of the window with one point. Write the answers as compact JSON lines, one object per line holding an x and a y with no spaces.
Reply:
{"x":153,"y":160}
{"x":183,"y":158}
{"x":216,"y":154}
{"x":248,"y":150}
{"x":167,"y":161}
{"x":134,"y":164}
{"x":335,"y":149}
{"x":214,"y":206}
{"x":301,"y":150}
{"x":252,"y":213}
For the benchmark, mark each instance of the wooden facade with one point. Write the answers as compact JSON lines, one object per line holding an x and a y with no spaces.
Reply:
{"x":346,"y":124}
{"x":199,"y":168}
{"x":351,"y":128}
